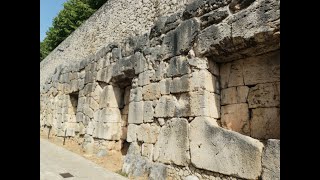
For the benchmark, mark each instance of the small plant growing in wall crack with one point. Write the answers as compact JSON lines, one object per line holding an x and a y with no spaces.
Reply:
{"x":122,"y":173}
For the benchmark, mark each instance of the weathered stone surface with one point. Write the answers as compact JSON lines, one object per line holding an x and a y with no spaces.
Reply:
{"x":262,"y":69}
{"x":158,"y":171}
{"x":180,"y":84}
{"x":264,"y":95}
{"x":231,"y":74}
{"x":198,"y":8}
{"x":199,"y":63}
{"x":180,"y":40}
{"x":165,"y":86}
{"x":204,"y":80}
{"x":182,"y":105}
{"x":265,"y":123}
{"x":151,"y":91}
{"x":203,"y":103}
{"x":140,"y":63}
{"x":136,"y":94}
{"x":109,"y":131}
{"x":135,"y":165}
{"x":191,"y":178}
{"x":165,"y":106}
{"x":108,"y":115}
{"x":148,"y":133}
{"x":88,"y":144}
{"x":236,"y":118}
{"x":111,"y":97}
{"x":132,"y":133}
{"x":223,"y":151}
{"x":213,"y":17}
{"x":144,"y":78}
{"x":234,"y":95}
{"x":148,"y":111}
{"x":135,"y":115}
{"x":178,"y":66}
{"x":173,"y":143}
{"x":147,"y":150}
{"x":271,"y":160}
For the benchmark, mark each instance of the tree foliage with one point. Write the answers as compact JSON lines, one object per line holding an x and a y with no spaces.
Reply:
{"x":74,"y":13}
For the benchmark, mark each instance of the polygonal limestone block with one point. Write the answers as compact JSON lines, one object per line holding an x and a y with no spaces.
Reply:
{"x":271,"y":160}
{"x":180,"y":84}
{"x":90,"y":127}
{"x":236,"y":118}
{"x":178,"y":66}
{"x":165,"y":107}
{"x":199,"y":63}
{"x":105,"y":74}
{"x":148,"y":133}
{"x":160,"y":71}
{"x":180,"y":40}
{"x":234,"y":95}
{"x":110,"y":115}
{"x":144,"y":78}
{"x":111,"y":97}
{"x":132,"y":133}
{"x":211,"y":36}
{"x":158,"y":171}
{"x":231,"y":74}
{"x":109,"y":131}
{"x":135,"y":115}
{"x":264,"y":95}
{"x":136,"y":94}
{"x":182,"y":105}
{"x":148,"y":111}
{"x":88,"y":144}
{"x":198,"y":8}
{"x":147,"y":150}
{"x":173,"y":143}
{"x":165,"y":86}
{"x":265,"y":123}
{"x":262,"y":69}
{"x":204,"y":103}
{"x":140,"y":63}
{"x":204,"y":80}
{"x":216,"y":149}
{"x":151,"y":92}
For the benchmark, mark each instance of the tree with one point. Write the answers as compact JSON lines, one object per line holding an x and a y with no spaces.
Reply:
{"x":73,"y":14}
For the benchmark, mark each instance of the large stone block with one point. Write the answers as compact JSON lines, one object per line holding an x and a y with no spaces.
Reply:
{"x":262,"y":69}
{"x":231,"y":74}
{"x":204,"y":103}
{"x":148,"y":133}
{"x":108,"y":115}
{"x":144,"y":78}
{"x":271,"y":160}
{"x":147,"y":150}
{"x":148,"y":111}
{"x":111,"y":97}
{"x":151,"y":92}
{"x":178,"y":66}
{"x":173,"y":143}
{"x":216,"y":149}
{"x":165,"y":86}
{"x":136,"y":94}
{"x":265,"y":123}
{"x":264,"y":95}
{"x":132,"y":133}
{"x":198,"y":8}
{"x":236,"y":118}
{"x":135,"y":115}
{"x":165,"y":107}
{"x":204,"y":80}
{"x":234,"y":95}
{"x":180,"y":84}
{"x":180,"y":40}
{"x":109,"y":131}
{"x":140,"y":63}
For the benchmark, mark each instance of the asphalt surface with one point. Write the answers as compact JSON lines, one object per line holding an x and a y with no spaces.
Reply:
{"x":55,"y":160}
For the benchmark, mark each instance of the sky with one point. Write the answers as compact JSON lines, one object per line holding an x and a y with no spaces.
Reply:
{"x":49,"y":9}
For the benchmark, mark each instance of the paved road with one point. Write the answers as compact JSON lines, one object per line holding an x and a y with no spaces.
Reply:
{"x":55,"y":160}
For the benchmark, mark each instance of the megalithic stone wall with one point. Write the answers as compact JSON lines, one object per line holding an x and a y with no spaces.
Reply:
{"x":196,"y":96}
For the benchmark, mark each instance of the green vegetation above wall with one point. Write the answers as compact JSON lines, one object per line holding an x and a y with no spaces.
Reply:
{"x":74,"y":13}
